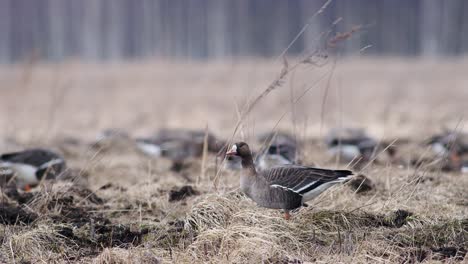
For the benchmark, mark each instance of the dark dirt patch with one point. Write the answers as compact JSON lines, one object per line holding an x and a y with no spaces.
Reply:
{"x":182,"y":193}
{"x":458,"y":253}
{"x":69,"y":212}
{"x":19,"y":197}
{"x":112,"y":186}
{"x":13,"y":214}
{"x":104,"y":235}
{"x":349,"y":220}
{"x":117,"y":235}
{"x":416,"y":255}
{"x":361,"y":184}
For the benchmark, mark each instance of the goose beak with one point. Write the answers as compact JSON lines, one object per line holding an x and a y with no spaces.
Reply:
{"x":232,"y":151}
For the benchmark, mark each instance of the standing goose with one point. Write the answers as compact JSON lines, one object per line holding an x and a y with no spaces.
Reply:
{"x":32,"y":165}
{"x":283,"y":187}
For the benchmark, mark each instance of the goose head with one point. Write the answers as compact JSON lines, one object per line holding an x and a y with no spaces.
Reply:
{"x":242,"y":150}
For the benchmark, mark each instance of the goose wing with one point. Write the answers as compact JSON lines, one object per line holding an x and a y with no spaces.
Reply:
{"x":301,"y":179}
{"x":33,"y":157}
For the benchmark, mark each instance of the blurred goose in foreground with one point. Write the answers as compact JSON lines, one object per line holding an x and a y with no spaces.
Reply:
{"x":350,"y":144}
{"x":33,"y":165}
{"x":284,"y":187}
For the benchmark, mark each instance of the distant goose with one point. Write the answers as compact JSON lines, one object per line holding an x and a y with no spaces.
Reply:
{"x":178,"y":145}
{"x":452,"y":146}
{"x":196,"y":137}
{"x":281,"y":149}
{"x":276,"y":155}
{"x":449,"y":143}
{"x":32,"y":165}
{"x":113,"y":140}
{"x":284,"y":187}
{"x":350,"y":144}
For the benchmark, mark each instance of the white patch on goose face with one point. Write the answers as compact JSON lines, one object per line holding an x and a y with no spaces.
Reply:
{"x":149,"y":149}
{"x":234,"y":148}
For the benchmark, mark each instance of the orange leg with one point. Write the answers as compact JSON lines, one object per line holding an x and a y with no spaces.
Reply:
{"x":455,"y":159}
{"x":287,"y":216}
{"x":27,"y":188}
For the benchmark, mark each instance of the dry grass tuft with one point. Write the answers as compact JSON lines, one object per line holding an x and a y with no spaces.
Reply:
{"x":43,"y":243}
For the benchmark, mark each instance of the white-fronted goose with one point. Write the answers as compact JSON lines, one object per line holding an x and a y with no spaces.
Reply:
{"x":450,"y":146}
{"x":178,"y":145}
{"x":32,"y":165}
{"x":233,"y":163}
{"x":280,"y":149}
{"x":113,"y":140}
{"x":283,"y":187}
{"x":449,"y":143}
{"x":351,"y":144}
{"x":276,"y":155}
{"x":196,"y":137}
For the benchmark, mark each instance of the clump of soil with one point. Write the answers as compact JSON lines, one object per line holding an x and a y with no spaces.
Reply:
{"x":19,"y":197}
{"x":12,"y":214}
{"x":397,"y":218}
{"x":458,"y":253}
{"x":361,"y":184}
{"x":182,"y":193}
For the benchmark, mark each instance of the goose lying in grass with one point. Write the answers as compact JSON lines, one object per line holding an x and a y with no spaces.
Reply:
{"x":283,"y":187}
{"x":32,"y":165}
{"x":281,"y":149}
{"x":276,"y":155}
{"x":178,"y":145}
{"x":450,"y":146}
{"x":350,"y":144}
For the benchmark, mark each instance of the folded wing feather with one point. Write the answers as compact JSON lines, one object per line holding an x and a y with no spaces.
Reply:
{"x":302,"y":179}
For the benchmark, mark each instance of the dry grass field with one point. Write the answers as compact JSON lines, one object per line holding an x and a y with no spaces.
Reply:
{"x":114,"y":207}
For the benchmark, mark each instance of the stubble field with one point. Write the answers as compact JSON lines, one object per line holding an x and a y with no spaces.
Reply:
{"x":114,"y":206}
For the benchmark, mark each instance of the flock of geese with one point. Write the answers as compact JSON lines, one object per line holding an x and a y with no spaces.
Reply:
{"x":273,"y":177}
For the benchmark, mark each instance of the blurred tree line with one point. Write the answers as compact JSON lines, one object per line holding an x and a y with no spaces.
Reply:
{"x":199,"y":29}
